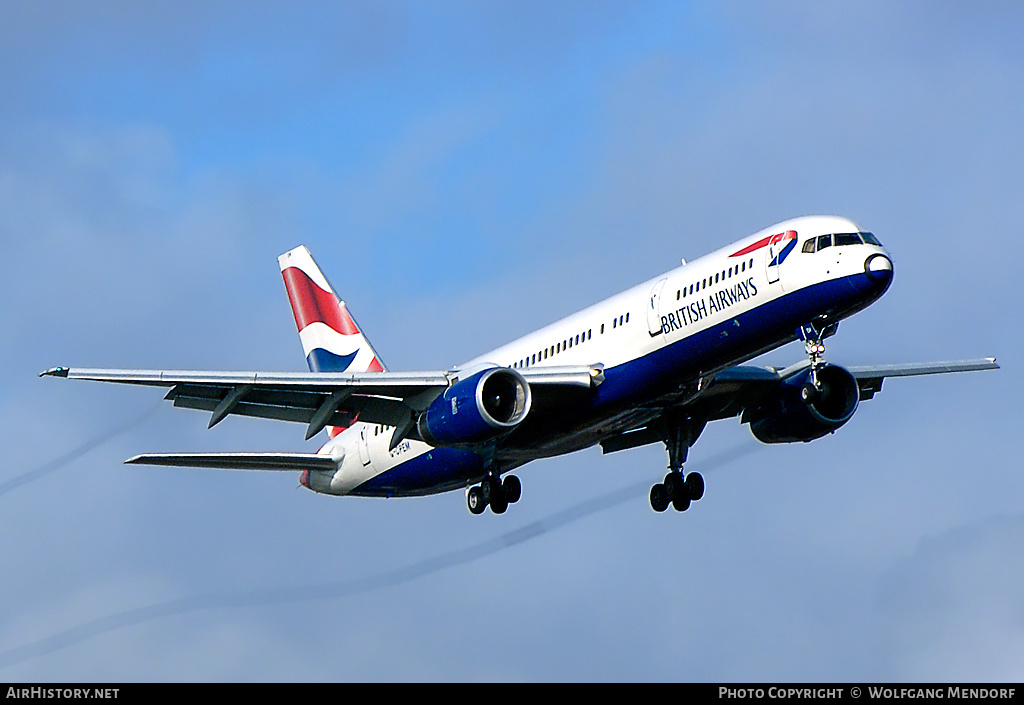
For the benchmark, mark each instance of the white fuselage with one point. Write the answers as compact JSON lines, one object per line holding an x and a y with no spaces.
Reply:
{"x":696,"y":319}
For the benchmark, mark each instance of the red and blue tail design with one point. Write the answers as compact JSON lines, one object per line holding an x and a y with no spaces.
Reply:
{"x":330,"y":337}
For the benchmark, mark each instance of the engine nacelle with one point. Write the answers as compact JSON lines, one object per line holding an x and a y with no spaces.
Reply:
{"x":799,"y":412}
{"x":476,"y":409}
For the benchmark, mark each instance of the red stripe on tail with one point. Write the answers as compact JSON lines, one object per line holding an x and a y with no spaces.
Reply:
{"x":311,"y":304}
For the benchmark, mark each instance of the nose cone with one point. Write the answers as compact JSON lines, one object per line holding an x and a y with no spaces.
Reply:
{"x":877,"y":274}
{"x":879,"y":270}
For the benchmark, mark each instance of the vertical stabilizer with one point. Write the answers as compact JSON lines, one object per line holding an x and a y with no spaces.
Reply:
{"x":331,"y":340}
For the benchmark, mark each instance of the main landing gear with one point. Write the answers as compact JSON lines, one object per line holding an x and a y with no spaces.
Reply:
{"x":678,"y":489}
{"x":494,"y":492}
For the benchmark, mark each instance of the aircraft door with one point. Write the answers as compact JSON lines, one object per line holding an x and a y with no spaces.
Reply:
{"x":364,"y":447}
{"x":654,"y":309}
{"x":779,"y":248}
{"x":774,"y":248}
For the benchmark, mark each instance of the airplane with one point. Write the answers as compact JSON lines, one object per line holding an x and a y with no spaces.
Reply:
{"x":653,"y":364}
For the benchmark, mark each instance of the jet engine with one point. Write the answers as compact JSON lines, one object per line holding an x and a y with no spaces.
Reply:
{"x":803,"y":411}
{"x":478,"y":408}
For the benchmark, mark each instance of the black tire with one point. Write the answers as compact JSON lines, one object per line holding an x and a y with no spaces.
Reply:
{"x":475,"y":500}
{"x":491,"y":488}
{"x":682,"y":502}
{"x":675,"y":485}
{"x":695,"y":485}
{"x":512,"y":488}
{"x":499,"y":504}
{"x":659,"y":498}
{"x":809,"y":393}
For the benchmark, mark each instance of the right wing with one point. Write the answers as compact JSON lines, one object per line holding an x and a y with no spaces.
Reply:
{"x":732,"y":391}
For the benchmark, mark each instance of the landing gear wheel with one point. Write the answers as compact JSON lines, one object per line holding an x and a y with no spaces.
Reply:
{"x":475,"y":500}
{"x":809,"y":393}
{"x":678,"y":491}
{"x":659,"y":498}
{"x":491,"y":488}
{"x":512,"y":488}
{"x":499,"y":503}
{"x":674,"y":485}
{"x":695,"y":485}
{"x":681,"y":502}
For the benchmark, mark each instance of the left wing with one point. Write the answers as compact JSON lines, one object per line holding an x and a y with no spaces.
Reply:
{"x":240,"y":461}
{"x":318,"y":399}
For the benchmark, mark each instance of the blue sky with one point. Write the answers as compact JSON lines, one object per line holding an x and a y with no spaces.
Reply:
{"x":466,"y":172}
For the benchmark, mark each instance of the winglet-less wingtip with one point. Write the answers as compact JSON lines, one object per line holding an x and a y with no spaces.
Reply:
{"x":55,"y":372}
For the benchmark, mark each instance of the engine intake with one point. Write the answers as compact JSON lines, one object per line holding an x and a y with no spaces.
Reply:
{"x":478,"y":408}
{"x":798,"y":411}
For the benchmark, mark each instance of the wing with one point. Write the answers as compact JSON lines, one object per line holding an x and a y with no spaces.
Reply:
{"x":870,"y":377}
{"x":239,"y":461}
{"x":317,"y":399}
{"x":733,"y":391}
{"x":744,"y":382}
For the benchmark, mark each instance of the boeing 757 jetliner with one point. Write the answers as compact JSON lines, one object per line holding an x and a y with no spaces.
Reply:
{"x":653,"y":364}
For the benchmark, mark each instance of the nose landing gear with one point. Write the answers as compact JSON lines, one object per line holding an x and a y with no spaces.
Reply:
{"x":813,"y":334}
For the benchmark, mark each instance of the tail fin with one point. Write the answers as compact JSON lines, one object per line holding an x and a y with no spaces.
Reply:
{"x":330,"y":337}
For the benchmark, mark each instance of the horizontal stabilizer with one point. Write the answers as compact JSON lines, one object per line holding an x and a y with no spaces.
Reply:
{"x":238,"y":461}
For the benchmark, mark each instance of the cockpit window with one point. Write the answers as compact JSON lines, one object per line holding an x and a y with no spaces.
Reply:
{"x":817,"y":244}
